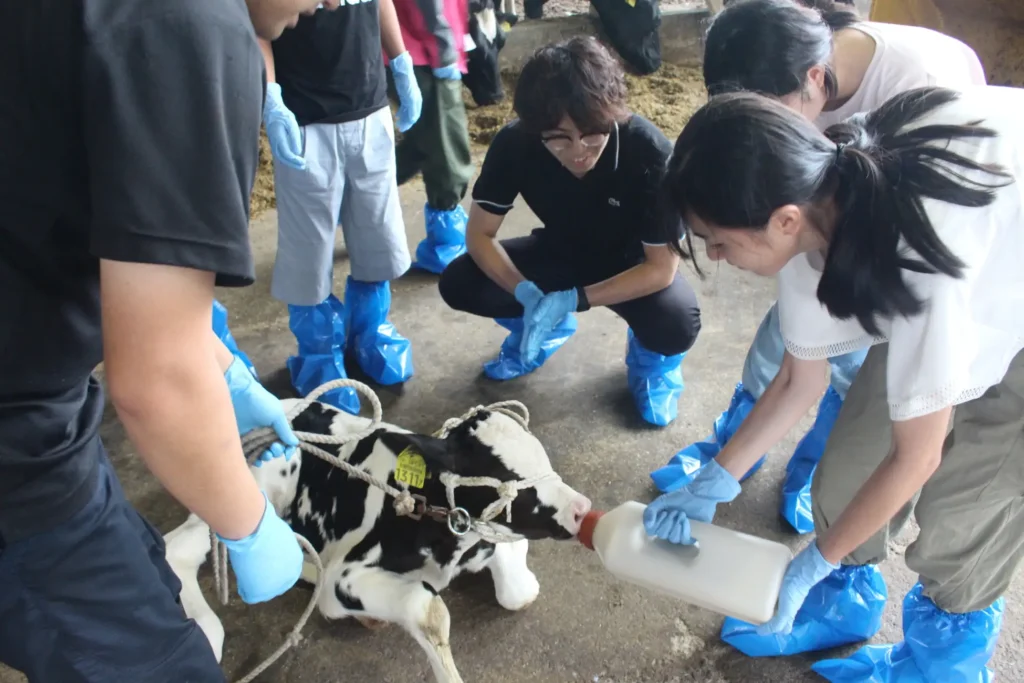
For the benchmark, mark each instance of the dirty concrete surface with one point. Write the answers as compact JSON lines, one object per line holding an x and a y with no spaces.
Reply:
{"x":585,"y":626}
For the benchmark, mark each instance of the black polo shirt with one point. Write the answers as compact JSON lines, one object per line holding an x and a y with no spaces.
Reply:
{"x":330,"y":66}
{"x":129,"y":131}
{"x":607,"y":215}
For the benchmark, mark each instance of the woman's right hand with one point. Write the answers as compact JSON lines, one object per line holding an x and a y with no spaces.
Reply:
{"x":668,"y":517}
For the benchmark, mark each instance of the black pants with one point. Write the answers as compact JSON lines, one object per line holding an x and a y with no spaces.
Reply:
{"x":94,"y":601}
{"x":666,"y":322}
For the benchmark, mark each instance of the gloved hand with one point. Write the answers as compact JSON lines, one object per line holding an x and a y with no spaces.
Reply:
{"x":410,"y":99}
{"x":529,"y":295}
{"x":668,"y":517}
{"x":282,"y":130}
{"x":267,"y":562}
{"x":548,"y":312}
{"x":448,"y":73}
{"x":807,"y":569}
{"x":256,"y":407}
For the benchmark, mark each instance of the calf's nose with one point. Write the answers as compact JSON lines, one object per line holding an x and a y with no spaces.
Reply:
{"x":580,"y":507}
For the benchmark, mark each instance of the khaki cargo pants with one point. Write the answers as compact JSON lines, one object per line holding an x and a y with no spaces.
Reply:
{"x":971,"y":511}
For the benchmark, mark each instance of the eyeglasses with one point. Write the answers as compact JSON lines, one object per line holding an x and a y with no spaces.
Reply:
{"x":562,"y":143}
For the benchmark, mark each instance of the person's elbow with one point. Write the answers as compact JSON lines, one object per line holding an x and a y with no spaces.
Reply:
{"x":805,"y":380}
{"x":662,"y":264}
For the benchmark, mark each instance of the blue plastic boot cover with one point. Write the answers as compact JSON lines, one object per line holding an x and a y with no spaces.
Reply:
{"x":445,"y":240}
{"x":656,"y":381}
{"x":320,"y":332}
{"x":684,"y":465}
{"x":937,"y":647}
{"x":796,"y":490}
{"x":220,"y":328}
{"x":509,"y":362}
{"x":845,"y":608}
{"x":383,"y":354}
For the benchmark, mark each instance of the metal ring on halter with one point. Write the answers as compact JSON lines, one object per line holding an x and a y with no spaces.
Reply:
{"x":459,"y":521}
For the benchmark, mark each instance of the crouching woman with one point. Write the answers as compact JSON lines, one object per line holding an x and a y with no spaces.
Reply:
{"x":591,"y":171}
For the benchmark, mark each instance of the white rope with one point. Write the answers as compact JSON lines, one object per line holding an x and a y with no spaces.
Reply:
{"x":459,"y":521}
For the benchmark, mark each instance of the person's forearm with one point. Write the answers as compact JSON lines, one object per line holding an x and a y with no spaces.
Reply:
{"x":891,"y":486}
{"x":780,"y":408}
{"x":390,"y":30}
{"x":493,"y":260}
{"x":268,"y":59}
{"x":638,"y":281}
{"x":181,"y":421}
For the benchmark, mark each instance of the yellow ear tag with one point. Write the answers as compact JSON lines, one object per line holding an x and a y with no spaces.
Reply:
{"x":631,"y":3}
{"x":411,"y":469}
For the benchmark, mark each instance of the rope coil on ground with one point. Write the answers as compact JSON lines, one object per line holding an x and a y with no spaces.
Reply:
{"x":257,"y":441}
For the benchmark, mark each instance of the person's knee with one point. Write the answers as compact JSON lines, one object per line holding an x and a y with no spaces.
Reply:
{"x":670,"y":334}
{"x":456,"y":283}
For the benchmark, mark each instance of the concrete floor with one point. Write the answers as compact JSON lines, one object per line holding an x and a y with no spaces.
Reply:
{"x":585,"y":626}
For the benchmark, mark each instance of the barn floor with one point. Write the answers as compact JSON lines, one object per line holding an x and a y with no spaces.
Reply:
{"x":585,"y":626}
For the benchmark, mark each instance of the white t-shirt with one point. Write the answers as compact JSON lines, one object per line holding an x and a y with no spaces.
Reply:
{"x":907,"y":57}
{"x":972,"y":327}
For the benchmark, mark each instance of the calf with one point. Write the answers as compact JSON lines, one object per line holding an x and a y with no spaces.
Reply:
{"x":382,"y":567}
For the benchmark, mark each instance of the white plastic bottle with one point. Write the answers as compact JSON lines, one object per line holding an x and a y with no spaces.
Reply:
{"x":729,"y":572}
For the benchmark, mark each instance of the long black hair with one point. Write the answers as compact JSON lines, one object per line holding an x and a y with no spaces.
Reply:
{"x":742,"y":156}
{"x":769,"y":45}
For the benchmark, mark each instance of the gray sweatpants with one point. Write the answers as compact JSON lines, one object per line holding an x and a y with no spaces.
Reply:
{"x":971,"y":511}
{"x":349,"y":179}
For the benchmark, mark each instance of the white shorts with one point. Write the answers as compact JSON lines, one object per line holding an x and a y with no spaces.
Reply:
{"x":349,"y":179}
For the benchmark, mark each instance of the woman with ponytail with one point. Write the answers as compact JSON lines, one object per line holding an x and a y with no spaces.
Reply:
{"x":900,"y":231}
{"x":818,"y":58}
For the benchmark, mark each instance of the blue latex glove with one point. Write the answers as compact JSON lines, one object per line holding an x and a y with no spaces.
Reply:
{"x":805,"y":571}
{"x":529,"y":295}
{"x":538,"y":323}
{"x":256,"y":407}
{"x":448,"y":73}
{"x":668,"y":517}
{"x":410,"y":100}
{"x":267,"y":562}
{"x":282,"y":130}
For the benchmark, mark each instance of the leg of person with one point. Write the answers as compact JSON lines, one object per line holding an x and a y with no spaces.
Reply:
{"x":465,"y":287}
{"x":223,"y":332}
{"x":308,"y":203}
{"x":442,"y":139}
{"x":847,"y":606}
{"x":662,"y":328}
{"x":371,"y":218}
{"x":761,"y":365}
{"x":94,"y":601}
{"x":971,"y":516}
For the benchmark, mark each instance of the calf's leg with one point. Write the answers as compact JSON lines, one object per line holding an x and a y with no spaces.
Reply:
{"x":187,"y":548}
{"x":515,"y":586}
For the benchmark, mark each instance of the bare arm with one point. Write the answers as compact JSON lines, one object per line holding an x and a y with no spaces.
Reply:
{"x":167,"y":385}
{"x":916,"y":454}
{"x":268,"y":59}
{"x":786,"y":400}
{"x":390,"y":30}
{"x":653,"y":275}
{"x":487,"y":252}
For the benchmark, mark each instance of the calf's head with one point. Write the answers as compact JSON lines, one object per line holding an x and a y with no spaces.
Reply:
{"x":493,"y":445}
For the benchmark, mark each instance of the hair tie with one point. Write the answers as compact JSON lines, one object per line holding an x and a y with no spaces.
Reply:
{"x":840,"y":146}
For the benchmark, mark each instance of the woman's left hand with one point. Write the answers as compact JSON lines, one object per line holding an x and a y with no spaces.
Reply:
{"x":805,"y":571}
{"x":539,"y":322}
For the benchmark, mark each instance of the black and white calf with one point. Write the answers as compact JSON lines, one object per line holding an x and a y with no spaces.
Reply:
{"x":381,"y":567}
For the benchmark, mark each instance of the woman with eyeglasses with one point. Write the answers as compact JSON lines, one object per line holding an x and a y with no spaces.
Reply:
{"x":900,"y":231}
{"x":820,"y":59}
{"x":590,"y":170}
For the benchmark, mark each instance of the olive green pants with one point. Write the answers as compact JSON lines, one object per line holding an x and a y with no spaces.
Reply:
{"x":438,"y":145}
{"x":971,"y":510}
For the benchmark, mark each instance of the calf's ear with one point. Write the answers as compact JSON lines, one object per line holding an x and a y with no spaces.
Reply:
{"x":437,"y":453}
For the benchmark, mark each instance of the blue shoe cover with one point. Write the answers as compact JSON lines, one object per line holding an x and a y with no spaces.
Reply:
{"x":655,"y":380}
{"x":383,"y":354}
{"x":445,"y":240}
{"x":796,"y":490}
{"x":320,"y":331}
{"x":220,"y":328}
{"x":684,"y":465}
{"x":845,"y":608}
{"x":509,"y":362}
{"x":937,"y":646}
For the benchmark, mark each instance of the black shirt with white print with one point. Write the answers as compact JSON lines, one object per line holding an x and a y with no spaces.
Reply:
{"x":330,"y":66}
{"x":608,"y":215}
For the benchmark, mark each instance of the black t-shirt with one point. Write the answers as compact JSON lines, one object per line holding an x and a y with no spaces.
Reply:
{"x":605,"y":216}
{"x":129,"y":131}
{"x":330,"y":66}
